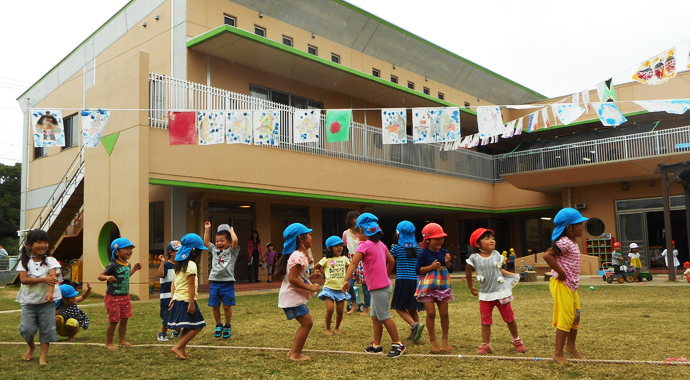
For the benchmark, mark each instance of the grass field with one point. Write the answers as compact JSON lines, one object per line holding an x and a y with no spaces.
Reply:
{"x":618,"y":322}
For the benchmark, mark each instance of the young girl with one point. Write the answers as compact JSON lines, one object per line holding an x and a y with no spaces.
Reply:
{"x":37,"y":273}
{"x":333,"y":266}
{"x":564,"y":259}
{"x":296,"y":289}
{"x":378,"y":264}
{"x":496,"y":285}
{"x":269,"y":261}
{"x":434,"y":267}
{"x":404,"y":302}
{"x":184,"y":311}
{"x":350,"y":240}
{"x":635,"y":262}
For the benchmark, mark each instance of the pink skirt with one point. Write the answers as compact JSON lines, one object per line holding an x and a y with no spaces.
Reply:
{"x":437,"y":295}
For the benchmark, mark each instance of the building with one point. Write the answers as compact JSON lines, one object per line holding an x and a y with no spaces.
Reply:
{"x":159,"y":55}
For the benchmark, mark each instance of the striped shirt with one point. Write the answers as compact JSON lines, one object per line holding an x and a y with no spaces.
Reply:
{"x":404,"y":266}
{"x":166,"y":281}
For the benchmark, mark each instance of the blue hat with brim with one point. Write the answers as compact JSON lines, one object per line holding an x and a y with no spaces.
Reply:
{"x":369,"y":223}
{"x":406,"y":234}
{"x":563,"y":219}
{"x":68,"y":291}
{"x":290,"y":235}
{"x":119,"y":243}
{"x":189,"y":242}
{"x":333,"y":240}
{"x":173,"y":246}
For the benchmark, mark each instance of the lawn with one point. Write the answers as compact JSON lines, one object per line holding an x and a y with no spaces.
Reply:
{"x":618,"y":322}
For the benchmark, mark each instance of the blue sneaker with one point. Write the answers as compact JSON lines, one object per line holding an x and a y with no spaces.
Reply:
{"x":176,"y":334}
{"x":219,"y":331}
{"x":227,"y":331}
{"x":162,"y":337}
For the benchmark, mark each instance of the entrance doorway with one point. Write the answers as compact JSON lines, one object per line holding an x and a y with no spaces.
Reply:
{"x":241,"y":217}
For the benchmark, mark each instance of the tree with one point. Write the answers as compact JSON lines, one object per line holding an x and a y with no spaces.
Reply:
{"x":10,"y":199}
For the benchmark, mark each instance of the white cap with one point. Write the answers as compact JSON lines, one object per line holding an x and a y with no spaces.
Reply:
{"x":224,"y":227}
{"x":633,"y":245}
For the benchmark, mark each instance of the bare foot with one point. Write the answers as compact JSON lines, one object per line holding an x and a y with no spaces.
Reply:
{"x":126,"y":344}
{"x":29,"y":353}
{"x":112,"y":346}
{"x":300,"y":357}
{"x":560,"y":359}
{"x":329,"y":332}
{"x":337,"y":330}
{"x":573,"y":351}
{"x":365,"y":312}
{"x":42,"y":361}
{"x":446,"y":345}
{"x":289,"y":354}
{"x":352,"y":311}
{"x":179,"y":353}
{"x":434,"y":345}
{"x":72,"y":339}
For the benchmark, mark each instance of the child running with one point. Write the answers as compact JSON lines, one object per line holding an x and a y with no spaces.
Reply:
{"x":37,"y":274}
{"x":222,"y":277}
{"x":496,"y":284}
{"x":69,"y":318}
{"x":333,"y":265}
{"x":166,"y":272}
{"x":117,"y":301}
{"x":404,"y":302}
{"x":378,"y":264}
{"x":564,"y":259}
{"x":296,"y":289}
{"x":433,"y":287}
{"x":184,"y":311}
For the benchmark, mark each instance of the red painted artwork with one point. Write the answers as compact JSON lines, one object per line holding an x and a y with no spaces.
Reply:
{"x":182,"y":128}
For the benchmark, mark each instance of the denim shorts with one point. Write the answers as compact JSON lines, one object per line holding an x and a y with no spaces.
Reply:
{"x":221,"y":291}
{"x":297,"y":311}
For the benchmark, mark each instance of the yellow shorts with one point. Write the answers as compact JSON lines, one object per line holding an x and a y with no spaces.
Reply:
{"x":566,"y":306}
{"x":62,"y":324}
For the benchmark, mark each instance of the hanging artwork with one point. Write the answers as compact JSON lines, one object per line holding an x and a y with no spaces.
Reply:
{"x":489,"y":121}
{"x":211,"y":127}
{"x":394,"y":121}
{"x":447,"y":121}
{"x":423,"y":126}
{"x":533,"y":122}
{"x":305,"y":126}
{"x":238,"y":127}
{"x":576,"y":99}
{"x":518,"y":127}
{"x":606,"y":92}
{"x":266,"y":126}
{"x":609,"y":114}
{"x":338,"y":125}
{"x":92,"y":125}
{"x":182,"y":127}
{"x":509,"y":130}
{"x":49,"y":130}
{"x":475,"y":140}
{"x":568,"y":112}
{"x":585,"y":100}
{"x":674,"y":106}
{"x":657,"y":70}
{"x":545,"y":117}
{"x":554,"y":110}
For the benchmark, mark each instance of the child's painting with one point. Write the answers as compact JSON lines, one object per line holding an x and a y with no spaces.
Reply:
{"x":394,"y":122}
{"x":568,"y":112}
{"x":489,"y":121}
{"x":447,"y":121}
{"x":49,"y":129}
{"x":238,"y":126}
{"x":305,"y":126}
{"x":423,"y":128}
{"x":267,"y":127}
{"x":211,"y":126}
{"x":338,"y":125}
{"x":92,"y":125}
{"x":609,"y":114}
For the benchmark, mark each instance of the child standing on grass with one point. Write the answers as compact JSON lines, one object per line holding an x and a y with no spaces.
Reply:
{"x":635,"y":262}
{"x":434,"y":266}
{"x":496,"y":284}
{"x":404,"y":302}
{"x":166,"y":272}
{"x":378,"y":264}
{"x":350,"y":240}
{"x":222,"y":277}
{"x":334,"y":266}
{"x":37,"y":273}
{"x":117,"y":301}
{"x":269,"y":261}
{"x":296,"y":289}
{"x":69,"y":318}
{"x":184,"y":311}
{"x":564,"y":259}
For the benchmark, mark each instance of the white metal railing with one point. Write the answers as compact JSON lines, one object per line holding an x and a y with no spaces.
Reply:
{"x":365,"y":143}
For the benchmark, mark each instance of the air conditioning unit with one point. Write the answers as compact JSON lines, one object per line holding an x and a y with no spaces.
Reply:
{"x":580,"y":206}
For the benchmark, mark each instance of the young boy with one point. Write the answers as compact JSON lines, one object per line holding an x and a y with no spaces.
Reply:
{"x":166,"y":272}
{"x":117,"y":302}
{"x":269,"y":260}
{"x":222,"y":276}
{"x":69,"y":318}
{"x":616,"y":258}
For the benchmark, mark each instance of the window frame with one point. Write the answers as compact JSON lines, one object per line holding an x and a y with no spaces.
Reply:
{"x":441,"y":96}
{"x":410,"y":85}
{"x":394,"y":79}
{"x":335,"y":58}
{"x":376,"y":73}
{"x":73,"y":135}
{"x":233,"y":18}
{"x":427,"y":91}
{"x":292,"y":41}
{"x":316,"y":50}
{"x":257,"y":27}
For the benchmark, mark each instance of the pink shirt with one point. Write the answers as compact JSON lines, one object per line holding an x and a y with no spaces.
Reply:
{"x":374,"y":262}
{"x":570,"y":262}
{"x":291,"y":296}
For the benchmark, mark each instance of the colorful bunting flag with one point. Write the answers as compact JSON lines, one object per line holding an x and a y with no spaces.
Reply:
{"x":533,"y":120}
{"x":606,"y":92}
{"x":447,"y":122}
{"x":211,"y":127}
{"x":609,"y":114}
{"x":568,"y":113}
{"x":49,"y":129}
{"x":238,"y":127}
{"x":266,"y":127}
{"x":585,"y":100}
{"x":394,"y":125}
{"x":475,"y":140}
{"x":576,"y":99}
{"x":657,"y":70}
{"x":545,"y":117}
{"x":423,"y":126}
{"x":554,"y":110}
{"x":338,"y":125}
{"x":305,"y":126}
{"x":509,"y":130}
{"x":182,"y":128}
{"x":675,"y":106}
{"x":489,"y":121}
{"x":93,"y":123}
{"x":518,"y":127}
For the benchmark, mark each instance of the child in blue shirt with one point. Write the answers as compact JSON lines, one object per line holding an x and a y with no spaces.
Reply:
{"x":404,"y":302}
{"x":166,"y":272}
{"x":222,"y":276}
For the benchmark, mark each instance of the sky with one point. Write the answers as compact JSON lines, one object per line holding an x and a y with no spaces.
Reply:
{"x":553,"y":47}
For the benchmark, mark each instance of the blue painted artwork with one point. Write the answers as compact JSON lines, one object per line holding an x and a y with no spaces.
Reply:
{"x":609,"y":114}
{"x":394,"y":125}
{"x":267,"y":127}
{"x":239,"y":127}
{"x":305,"y":126}
{"x":93,"y":124}
{"x":211,"y":126}
{"x":48,"y":128}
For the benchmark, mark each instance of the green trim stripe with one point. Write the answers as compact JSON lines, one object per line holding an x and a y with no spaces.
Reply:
{"x":206,"y":186}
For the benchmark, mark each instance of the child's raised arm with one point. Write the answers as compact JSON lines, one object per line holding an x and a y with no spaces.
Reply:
{"x":85,"y":294}
{"x":468,"y":276}
{"x":161,"y":270}
{"x":234,"y":243}
{"x":207,"y":233}
{"x":351,"y":269}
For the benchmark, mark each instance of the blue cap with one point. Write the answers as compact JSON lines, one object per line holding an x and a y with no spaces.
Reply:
{"x":119,"y":243}
{"x":68,"y":291}
{"x":406,"y":234}
{"x":368,"y":222}
{"x":173,"y":246}
{"x":333,"y":240}
{"x":290,"y":235}
{"x":563,"y":219}
{"x":189,"y":242}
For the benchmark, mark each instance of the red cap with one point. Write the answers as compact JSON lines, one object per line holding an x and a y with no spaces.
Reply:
{"x":477,"y":234}
{"x":616,"y":245}
{"x":432,"y":231}
{"x":673,"y":242}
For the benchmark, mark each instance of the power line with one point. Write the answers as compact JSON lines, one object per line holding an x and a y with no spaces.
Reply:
{"x":16,"y":80}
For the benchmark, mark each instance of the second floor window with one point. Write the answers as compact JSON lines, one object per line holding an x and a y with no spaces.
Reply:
{"x":441,"y":96}
{"x":376,"y":73}
{"x":71,"y":124}
{"x":394,"y":79}
{"x":335,"y":58}
{"x":427,"y":91}
{"x":229,"y":20}
{"x":287,"y":41}
{"x":259,"y":31}
{"x":312,"y":50}
{"x":410,"y":85}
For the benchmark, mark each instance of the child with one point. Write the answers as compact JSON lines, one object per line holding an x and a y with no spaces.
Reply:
{"x":616,"y":258}
{"x":166,"y":272}
{"x":433,"y":287}
{"x":37,"y":293}
{"x":69,"y":318}
{"x":378,"y":264}
{"x":664,"y":254}
{"x":296,"y":289}
{"x":350,"y":240}
{"x":117,"y":302}
{"x":184,"y":311}
{"x":404,"y":302}
{"x":564,"y":259}
{"x":496,"y":285}
{"x":635,"y":262}
{"x":222,"y":276}
{"x":333,"y":266}
{"x":269,"y":260}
